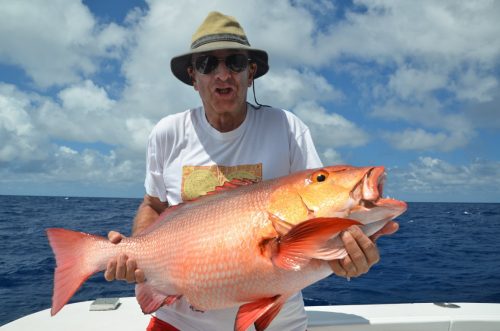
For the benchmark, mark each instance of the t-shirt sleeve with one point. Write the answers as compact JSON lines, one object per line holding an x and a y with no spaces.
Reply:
{"x":154,"y":183}
{"x":303,"y":154}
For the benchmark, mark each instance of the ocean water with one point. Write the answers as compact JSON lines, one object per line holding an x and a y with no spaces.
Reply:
{"x":443,"y":252}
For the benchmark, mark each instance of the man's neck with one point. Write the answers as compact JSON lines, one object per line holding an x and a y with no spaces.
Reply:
{"x":228,"y":121}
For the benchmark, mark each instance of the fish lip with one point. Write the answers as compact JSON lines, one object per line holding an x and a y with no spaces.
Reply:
{"x":370,"y":188}
{"x":373,"y":184}
{"x":369,"y":193}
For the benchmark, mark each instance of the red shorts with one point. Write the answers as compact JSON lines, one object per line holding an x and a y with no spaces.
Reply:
{"x":156,"y":324}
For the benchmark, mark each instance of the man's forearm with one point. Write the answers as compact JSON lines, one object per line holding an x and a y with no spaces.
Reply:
{"x":148,"y":212}
{"x":146,"y":215}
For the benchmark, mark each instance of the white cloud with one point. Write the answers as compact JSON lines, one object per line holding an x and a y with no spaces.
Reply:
{"x":55,"y":41}
{"x":427,"y":55}
{"x":419,"y":139}
{"x":160,"y":33}
{"x":90,"y":165}
{"x":86,"y":98}
{"x":28,"y":153}
{"x":83,"y":112}
{"x":410,"y":83}
{"x":137,"y":132}
{"x":432,"y":178}
{"x":439,"y":130}
{"x":319,"y":7}
{"x":485,"y":114}
{"x":449,"y":32}
{"x":330,"y":129}
{"x":329,"y":156}
{"x":66,"y":166}
{"x":476,"y":86}
{"x":422,"y":112}
{"x":20,"y":140}
{"x":290,"y":87}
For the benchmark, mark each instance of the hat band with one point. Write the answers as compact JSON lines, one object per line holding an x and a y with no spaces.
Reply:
{"x":220,"y":37}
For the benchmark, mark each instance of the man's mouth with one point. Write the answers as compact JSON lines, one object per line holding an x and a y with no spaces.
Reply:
{"x":223,"y":91}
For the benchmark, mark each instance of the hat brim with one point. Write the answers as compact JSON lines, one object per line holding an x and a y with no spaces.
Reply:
{"x":180,"y":64}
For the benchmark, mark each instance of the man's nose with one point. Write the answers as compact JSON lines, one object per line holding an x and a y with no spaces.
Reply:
{"x":222,"y":70}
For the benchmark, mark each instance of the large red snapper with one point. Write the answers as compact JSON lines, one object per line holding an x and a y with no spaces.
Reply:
{"x":247,"y":245}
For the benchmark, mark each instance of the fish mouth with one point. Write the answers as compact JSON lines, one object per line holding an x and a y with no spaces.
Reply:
{"x":370,"y":207}
{"x":372,"y":186}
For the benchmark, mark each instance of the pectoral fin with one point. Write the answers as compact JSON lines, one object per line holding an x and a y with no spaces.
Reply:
{"x":309,"y":240}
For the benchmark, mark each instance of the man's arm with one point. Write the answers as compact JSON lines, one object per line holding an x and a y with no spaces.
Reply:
{"x":148,"y":212}
{"x":121,"y":267}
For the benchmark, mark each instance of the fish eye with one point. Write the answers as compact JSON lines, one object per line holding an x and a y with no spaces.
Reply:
{"x":319,"y":176}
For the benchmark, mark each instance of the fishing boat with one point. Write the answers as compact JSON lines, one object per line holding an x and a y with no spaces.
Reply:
{"x":125,"y":314}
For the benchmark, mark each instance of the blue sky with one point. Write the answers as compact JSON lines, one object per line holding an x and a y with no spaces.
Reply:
{"x":411,"y":85}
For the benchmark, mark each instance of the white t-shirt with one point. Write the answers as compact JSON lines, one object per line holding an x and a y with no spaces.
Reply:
{"x":187,"y":157}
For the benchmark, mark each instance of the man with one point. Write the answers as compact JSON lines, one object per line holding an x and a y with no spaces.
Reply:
{"x":190,"y":153}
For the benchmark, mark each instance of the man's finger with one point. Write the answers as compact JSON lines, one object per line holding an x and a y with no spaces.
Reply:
{"x":131,"y":267}
{"x":121,"y":267}
{"x":110,"y":272}
{"x":115,"y":237}
{"x":337,"y":268}
{"x":368,"y":254}
{"x":359,"y":256}
{"x":355,"y":262}
{"x":139,"y":276}
{"x":349,"y":267}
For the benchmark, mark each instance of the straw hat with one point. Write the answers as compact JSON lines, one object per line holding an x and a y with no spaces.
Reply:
{"x":218,"y":31}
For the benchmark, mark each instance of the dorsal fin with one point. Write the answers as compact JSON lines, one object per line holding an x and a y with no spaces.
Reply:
{"x":229,"y":185}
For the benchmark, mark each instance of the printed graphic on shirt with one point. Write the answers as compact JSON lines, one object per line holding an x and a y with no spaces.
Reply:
{"x":198,"y":180}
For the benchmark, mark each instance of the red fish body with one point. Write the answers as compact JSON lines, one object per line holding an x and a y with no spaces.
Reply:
{"x":252,"y":246}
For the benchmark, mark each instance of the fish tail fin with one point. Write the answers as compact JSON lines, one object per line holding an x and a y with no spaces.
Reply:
{"x":74,"y":263}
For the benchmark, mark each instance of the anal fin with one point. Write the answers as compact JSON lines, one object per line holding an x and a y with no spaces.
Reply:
{"x":150,"y":299}
{"x":171,"y":299}
{"x":260,"y":312}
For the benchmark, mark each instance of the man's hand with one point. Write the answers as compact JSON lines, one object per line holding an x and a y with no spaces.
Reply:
{"x":121,"y":267}
{"x":362,"y":251}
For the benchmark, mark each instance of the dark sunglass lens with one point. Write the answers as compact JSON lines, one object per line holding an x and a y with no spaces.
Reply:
{"x":237,"y":62}
{"x":206,"y":63}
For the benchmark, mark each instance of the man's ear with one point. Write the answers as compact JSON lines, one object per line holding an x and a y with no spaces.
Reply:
{"x":252,"y":69}
{"x":193,"y":79}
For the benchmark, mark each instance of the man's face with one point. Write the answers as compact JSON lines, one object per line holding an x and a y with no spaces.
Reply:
{"x":222,"y":90}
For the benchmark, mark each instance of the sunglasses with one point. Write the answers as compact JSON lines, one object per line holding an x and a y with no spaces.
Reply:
{"x":205,"y":64}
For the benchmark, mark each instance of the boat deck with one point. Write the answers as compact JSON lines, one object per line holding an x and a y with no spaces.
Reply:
{"x":387,"y":317}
